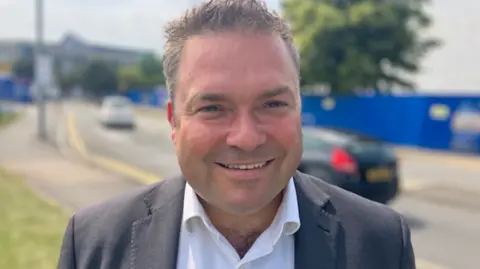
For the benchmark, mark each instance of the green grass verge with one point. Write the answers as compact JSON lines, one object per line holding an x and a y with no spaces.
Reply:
{"x":31,"y":229}
{"x":7,"y":118}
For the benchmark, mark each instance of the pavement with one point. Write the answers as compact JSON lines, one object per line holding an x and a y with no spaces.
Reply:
{"x":89,"y":164}
{"x":59,"y":179}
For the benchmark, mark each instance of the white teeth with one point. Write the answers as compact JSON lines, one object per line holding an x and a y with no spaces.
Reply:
{"x":246,"y":166}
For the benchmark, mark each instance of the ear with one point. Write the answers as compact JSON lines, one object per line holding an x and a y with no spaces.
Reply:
{"x":171,"y":119}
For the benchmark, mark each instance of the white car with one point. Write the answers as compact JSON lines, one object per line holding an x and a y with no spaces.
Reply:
{"x":117,"y":111}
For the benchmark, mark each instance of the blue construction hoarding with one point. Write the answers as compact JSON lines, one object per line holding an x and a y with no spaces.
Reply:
{"x":14,"y":90}
{"x":436,"y":122}
{"x":150,"y":97}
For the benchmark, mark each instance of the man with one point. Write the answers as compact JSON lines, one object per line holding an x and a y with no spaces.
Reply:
{"x":235,"y":110}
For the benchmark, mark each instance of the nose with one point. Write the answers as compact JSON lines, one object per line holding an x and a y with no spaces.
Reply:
{"x":246,"y":133}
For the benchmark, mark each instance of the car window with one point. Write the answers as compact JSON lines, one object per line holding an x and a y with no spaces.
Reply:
{"x":323,"y":138}
{"x":117,"y":102}
{"x":367,"y":148}
{"x":314,"y":143}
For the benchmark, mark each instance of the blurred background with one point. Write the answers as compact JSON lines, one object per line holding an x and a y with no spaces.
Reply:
{"x":391,"y":109}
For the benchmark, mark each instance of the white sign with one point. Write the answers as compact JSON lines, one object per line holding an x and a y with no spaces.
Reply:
{"x":43,"y":70}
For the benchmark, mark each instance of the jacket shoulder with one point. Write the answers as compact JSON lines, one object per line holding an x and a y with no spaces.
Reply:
{"x":372,"y":231}
{"x":129,"y":204}
{"x":108,"y":220}
{"x":353,"y":209}
{"x":101,"y":234}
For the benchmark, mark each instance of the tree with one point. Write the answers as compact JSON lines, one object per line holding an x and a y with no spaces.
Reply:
{"x":151,"y":69}
{"x":67,"y":81}
{"x":99,"y":78}
{"x":24,"y":68}
{"x":129,"y":77}
{"x":147,"y":74}
{"x":150,"y":66}
{"x":352,"y":44}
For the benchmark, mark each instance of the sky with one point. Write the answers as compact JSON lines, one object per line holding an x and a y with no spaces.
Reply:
{"x":139,"y":24}
{"x":132,"y":23}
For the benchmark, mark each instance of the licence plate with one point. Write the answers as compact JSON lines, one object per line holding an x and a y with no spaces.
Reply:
{"x":379,"y":174}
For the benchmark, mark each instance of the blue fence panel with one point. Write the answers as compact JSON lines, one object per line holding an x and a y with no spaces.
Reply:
{"x":151,"y":97}
{"x":458,"y":119}
{"x":424,"y":121}
{"x":6,"y":89}
{"x":11,"y":90}
{"x":379,"y":116}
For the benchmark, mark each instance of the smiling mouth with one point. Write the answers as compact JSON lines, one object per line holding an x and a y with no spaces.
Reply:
{"x":246,"y":166}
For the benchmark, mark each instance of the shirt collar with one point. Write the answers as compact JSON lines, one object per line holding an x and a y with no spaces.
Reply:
{"x":287,"y":216}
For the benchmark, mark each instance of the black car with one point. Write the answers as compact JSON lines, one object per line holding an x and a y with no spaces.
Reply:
{"x":352,"y":161}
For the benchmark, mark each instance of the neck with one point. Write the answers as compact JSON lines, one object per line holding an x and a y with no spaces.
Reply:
{"x":244,"y":223}
{"x":242,"y":230}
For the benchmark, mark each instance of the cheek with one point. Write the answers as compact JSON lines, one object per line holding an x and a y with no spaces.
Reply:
{"x":198,"y":139}
{"x":287,"y":132}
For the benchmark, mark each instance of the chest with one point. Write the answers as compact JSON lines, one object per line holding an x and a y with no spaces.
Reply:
{"x":204,"y":249}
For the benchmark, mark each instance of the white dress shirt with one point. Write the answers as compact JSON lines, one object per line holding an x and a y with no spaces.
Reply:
{"x":201,"y":246}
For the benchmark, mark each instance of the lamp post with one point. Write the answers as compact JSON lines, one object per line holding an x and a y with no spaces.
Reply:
{"x":40,"y":79}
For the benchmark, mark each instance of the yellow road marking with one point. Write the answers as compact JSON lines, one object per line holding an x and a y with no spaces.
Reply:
{"x":126,"y":169}
{"x":424,"y":264}
{"x":412,"y":185}
{"x":77,"y":143}
{"x":74,"y":138}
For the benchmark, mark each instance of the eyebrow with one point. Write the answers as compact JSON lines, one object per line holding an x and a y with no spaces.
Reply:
{"x":221,"y":97}
{"x":275,"y":92}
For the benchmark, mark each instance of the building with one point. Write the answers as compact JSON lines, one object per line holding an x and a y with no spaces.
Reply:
{"x":71,"y":53}
{"x":11,"y":51}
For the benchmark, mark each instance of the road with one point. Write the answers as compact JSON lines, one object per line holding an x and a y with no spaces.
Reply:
{"x":149,"y":148}
{"x":444,"y":214}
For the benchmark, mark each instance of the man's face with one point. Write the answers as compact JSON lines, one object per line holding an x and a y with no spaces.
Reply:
{"x":236,"y":119}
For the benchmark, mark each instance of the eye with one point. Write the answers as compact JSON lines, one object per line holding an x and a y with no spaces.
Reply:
{"x":210,"y":108}
{"x":275,"y":104}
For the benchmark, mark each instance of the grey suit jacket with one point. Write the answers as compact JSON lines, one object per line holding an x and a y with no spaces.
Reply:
{"x":140,"y":230}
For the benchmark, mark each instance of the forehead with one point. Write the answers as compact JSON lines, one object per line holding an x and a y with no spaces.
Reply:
{"x":236,"y":62}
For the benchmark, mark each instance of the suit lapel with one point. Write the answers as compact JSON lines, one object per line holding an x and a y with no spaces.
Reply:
{"x":316,"y":240}
{"x":154,"y":241}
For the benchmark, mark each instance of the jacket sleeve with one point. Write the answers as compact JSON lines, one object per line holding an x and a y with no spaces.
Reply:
{"x":67,"y":251}
{"x":408,"y":257}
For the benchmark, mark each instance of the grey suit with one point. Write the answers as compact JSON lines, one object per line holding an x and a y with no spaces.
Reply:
{"x":140,"y":230}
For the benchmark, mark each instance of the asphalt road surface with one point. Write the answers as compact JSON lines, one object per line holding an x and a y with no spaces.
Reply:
{"x":444,"y":215}
{"x":148,"y":148}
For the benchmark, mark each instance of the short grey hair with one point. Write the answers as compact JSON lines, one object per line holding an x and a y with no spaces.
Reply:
{"x":221,"y":15}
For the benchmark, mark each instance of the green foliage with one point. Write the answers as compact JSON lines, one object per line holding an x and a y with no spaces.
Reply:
{"x":68,"y":81}
{"x":99,"y":78}
{"x":150,"y":66}
{"x":129,"y":77}
{"x":355,"y":44}
{"x":24,"y":68}
{"x":147,"y":74}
